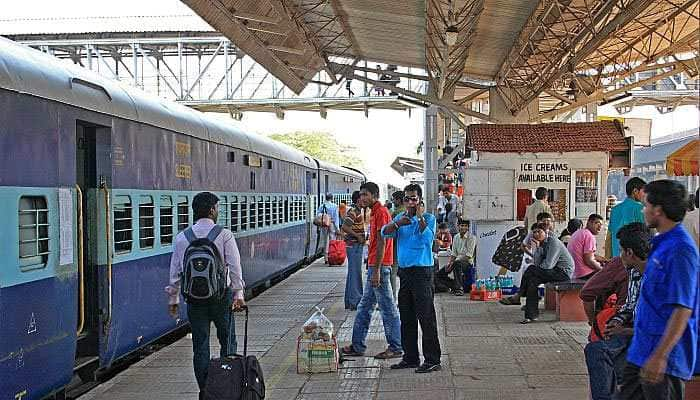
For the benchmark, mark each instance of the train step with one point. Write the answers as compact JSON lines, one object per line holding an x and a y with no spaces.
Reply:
{"x":82,"y":362}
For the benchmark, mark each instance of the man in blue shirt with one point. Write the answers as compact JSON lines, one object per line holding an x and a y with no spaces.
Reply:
{"x":415,"y":231}
{"x":328,"y":233}
{"x":665,"y":343}
{"x":625,"y":213}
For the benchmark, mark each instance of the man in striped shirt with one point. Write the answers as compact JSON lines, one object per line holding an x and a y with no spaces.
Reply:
{"x":606,"y":358}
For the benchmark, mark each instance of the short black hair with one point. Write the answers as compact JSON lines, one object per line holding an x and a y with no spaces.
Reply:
{"x":636,"y":237}
{"x":540,"y":193}
{"x":594,"y":217}
{"x":443,"y":225}
{"x":544,"y":215}
{"x":539,"y":225}
{"x":464,"y":222}
{"x":202,"y":203}
{"x":414,"y":187}
{"x":371,"y":187}
{"x":634,"y":183}
{"x":397,"y":195}
{"x":670,"y":195}
{"x":574,"y":225}
{"x":329,"y":196}
{"x":355,"y":197}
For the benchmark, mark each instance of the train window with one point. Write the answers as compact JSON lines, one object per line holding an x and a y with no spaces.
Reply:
{"x":122,"y":224}
{"x":285,"y":210}
{"x":280,"y":212}
{"x":146,"y":222}
{"x":223,"y":212}
{"x":252,"y":213}
{"x":295,"y":209}
{"x":252,"y":180}
{"x":268,"y":211}
{"x":166,"y":220}
{"x":244,"y":212}
{"x":234,"y":214}
{"x":33,"y":232}
{"x":183,"y":215}
{"x":231,"y":156}
{"x":269,"y":164}
{"x":261,"y":212}
{"x":303,"y":209}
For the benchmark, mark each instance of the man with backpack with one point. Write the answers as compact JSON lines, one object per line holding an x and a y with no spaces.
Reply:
{"x":206,"y":264}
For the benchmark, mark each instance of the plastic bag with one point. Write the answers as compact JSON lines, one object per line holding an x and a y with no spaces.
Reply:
{"x":318,"y":327}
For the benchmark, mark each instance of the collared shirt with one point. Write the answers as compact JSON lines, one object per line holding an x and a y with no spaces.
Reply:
{"x":355,"y":218}
{"x":379,"y":217}
{"x":443,"y":201}
{"x":332,"y":211}
{"x":552,"y":254}
{"x":581,"y":242}
{"x":225,"y":243}
{"x":539,"y":206}
{"x":670,"y":281}
{"x":622,"y":214}
{"x":463,"y":247}
{"x":416,"y":247}
{"x":612,"y":279}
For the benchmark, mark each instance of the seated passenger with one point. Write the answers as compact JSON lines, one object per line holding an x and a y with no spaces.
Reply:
{"x":573,"y":225}
{"x":462,"y":261}
{"x":529,"y":245}
{"x":605,"y":358}
{"x":443,"y":239}
{"x":582,"y":247}
{"x":552,"y":263}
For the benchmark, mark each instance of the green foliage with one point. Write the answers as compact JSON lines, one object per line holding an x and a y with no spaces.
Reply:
{"x":321,"y":145}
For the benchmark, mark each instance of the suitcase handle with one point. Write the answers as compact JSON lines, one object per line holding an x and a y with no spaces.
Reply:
{"x":231,"y":330}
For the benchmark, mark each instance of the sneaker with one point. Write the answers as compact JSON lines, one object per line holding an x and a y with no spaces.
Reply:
{"x":388,"y":354}
{"x":403,"y":364}
{"x":459,"y":292}
{"x":350,"y":351}
{"x":427,"y":368}
{"x":528,"y":320}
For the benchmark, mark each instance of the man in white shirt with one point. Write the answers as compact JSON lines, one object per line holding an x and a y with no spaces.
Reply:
{"x":462,"y":261}
{"x":540,"y":205}
{"x":202,"y":313}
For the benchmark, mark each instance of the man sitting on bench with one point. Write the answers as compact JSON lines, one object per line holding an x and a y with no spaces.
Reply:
{"x":552,"y":263}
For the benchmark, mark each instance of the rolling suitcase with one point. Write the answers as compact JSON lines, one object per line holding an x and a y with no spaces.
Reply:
{"x":236,"y":377}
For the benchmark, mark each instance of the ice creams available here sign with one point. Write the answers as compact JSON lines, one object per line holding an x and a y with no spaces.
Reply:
{"x":542,"y":172}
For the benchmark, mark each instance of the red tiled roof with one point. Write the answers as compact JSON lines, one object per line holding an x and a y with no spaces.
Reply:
{"x":548,"y":138}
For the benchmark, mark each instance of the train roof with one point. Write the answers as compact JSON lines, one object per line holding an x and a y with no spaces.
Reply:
{"x":326,"y":166}
{"x":30,"y":71}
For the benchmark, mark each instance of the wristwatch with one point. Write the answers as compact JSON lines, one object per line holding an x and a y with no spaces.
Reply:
{"x":421,"y":219}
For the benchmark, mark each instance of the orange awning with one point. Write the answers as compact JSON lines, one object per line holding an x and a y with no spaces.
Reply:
{"x":684,"y":161}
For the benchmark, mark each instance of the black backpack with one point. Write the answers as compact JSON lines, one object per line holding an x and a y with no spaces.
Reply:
{"x":204,"y":270}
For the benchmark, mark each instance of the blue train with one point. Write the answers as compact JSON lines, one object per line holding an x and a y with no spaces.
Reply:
{"x":96,"y":179}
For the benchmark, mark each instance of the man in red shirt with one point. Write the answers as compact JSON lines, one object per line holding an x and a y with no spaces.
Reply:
{"x":378,"y":287}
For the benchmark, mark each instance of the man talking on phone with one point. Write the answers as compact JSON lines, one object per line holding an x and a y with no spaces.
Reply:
{"x":415,"y":230}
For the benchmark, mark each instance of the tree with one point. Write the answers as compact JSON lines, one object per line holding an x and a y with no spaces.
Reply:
{"x":321,"y":145}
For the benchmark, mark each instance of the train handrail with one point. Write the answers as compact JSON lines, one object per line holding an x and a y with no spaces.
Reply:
{"x":81,"y":265}
{"x":108,"y":229}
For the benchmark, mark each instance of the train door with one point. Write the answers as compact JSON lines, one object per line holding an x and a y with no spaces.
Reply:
{"x":93,"y":166}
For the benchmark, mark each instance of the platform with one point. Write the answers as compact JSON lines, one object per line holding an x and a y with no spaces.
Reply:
{"x":487,"y":354}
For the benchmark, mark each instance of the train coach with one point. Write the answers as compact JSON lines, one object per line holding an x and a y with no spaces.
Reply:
{"x":96,"y":179}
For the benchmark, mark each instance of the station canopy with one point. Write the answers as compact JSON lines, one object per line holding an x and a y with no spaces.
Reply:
{"x":557,"y":54}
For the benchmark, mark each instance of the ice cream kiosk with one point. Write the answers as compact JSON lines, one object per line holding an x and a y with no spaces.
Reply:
{"x":507,"y":163}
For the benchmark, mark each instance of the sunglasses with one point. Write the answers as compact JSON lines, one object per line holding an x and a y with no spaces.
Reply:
{"x":410,"y":198}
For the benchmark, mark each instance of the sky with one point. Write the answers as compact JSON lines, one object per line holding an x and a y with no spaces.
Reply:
{"x":380,"y":138}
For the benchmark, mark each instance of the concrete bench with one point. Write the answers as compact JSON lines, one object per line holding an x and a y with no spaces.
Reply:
{"x":567,"y":302}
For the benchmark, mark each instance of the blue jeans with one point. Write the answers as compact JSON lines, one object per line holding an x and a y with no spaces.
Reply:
{"x":390,"y":314}
{"x":201,"y":316}
{"x":605,"y":360}
{"x":353,"y":281}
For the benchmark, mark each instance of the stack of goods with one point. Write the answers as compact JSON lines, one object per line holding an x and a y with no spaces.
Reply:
{"x":486,"y":290}
{"x":317,"y":349}
{"x":505,"y":282}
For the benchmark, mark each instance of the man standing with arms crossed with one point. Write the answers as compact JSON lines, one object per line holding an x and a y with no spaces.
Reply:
{"x":378,"y":288}
{"x":415,"y":230}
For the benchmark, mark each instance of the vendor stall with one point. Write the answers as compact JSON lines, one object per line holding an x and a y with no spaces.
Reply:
{"x":509,"y":162}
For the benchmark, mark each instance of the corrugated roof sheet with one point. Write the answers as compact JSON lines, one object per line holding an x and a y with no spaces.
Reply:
{"x":548,"y":138}
{"x":659,"y":152}
{"x":123,"y":24}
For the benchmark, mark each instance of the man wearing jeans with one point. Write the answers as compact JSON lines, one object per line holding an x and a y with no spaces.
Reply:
{"x":378,"y":289}
{"x":415,"y":230}
{"x":605,"y":358}
{"x":354,"y":228}
{"x":202,"y":314}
